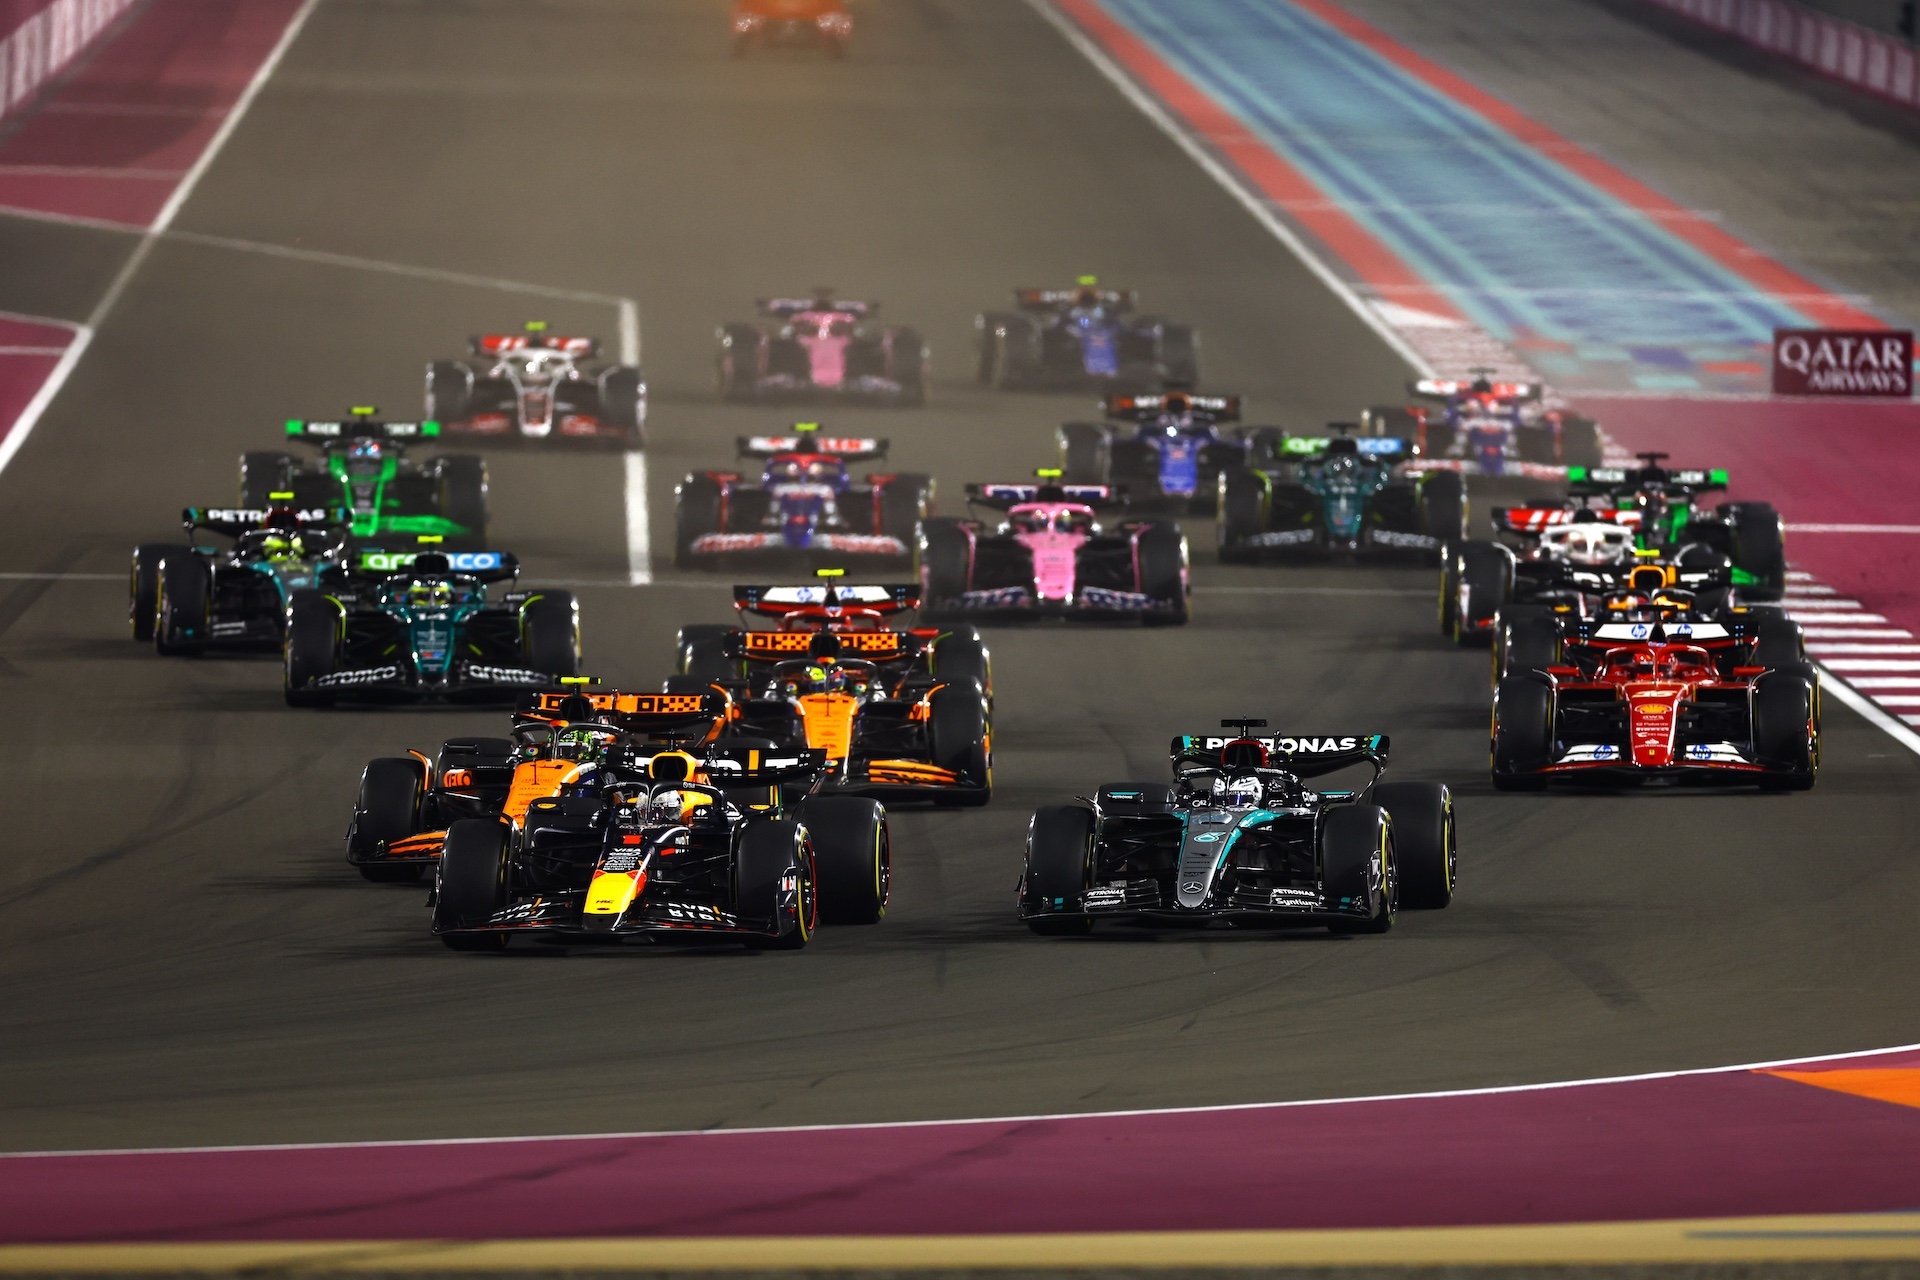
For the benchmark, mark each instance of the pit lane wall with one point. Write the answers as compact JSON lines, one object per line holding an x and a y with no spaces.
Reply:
{"x":1883,"y":65}
{"x":42,"y":37}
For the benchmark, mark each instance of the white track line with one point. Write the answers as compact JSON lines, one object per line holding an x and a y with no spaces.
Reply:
{"x":639,"y":540}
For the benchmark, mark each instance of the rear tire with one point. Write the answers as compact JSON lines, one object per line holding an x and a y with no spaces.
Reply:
{"x":463,"y":494}
{"x":1242,"y":514}
{"x":623,"y":403}
{"x":1759,"y":548}
{"x":388,"y":809}
{"x":1443,"y":508}
{"x":1085,"y":457}
{"x":1527,"y":640}
{"x":946,"y":569}
{"x":739,"y":369}
{"x":261,"y":476}
{"x":471,"y":884}
{"x":181,"y":621}
{"x":312,"y":647}
{"x":852,"y":856}
{"x":703,"y":652}
{"x":1423,"y":841}
{"x":1781,"y":641}
{"x":903,"y":505}
{"x":550,"y":633}
{"x":1580,"y":442}
{"x":958,"y":737}
{"x":1486,"y":583}
{"x":1522,"y":733}
{"x":1450,"y":593}
{"x":449,"y":391}
{"x":143,"y":585}
{"x":1162,"y":552}
{"x":1058,"y":865}
{"x":696,"y":512}
{"x":963,"y":656}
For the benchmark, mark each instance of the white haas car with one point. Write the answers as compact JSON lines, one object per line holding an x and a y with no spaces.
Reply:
{"x":536,"y":387}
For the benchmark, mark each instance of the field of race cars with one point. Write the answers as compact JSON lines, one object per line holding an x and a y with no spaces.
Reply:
{"x":1079,"y":669}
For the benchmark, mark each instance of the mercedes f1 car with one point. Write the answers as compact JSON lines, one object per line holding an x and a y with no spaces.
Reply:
{"x":364,"y":467}
{"x":1172,"y":450}
{"x":422,"y":627}
{"x":1489,"y":428}
{"x":822,"y":347}
{"x":804,"y":506}
{"x":536,"y":387}
{"x":826,"y":23}
{"x":593,"y":822}
{"x":1239,"y":836}
{"x":1051,"y":557}
{"x":1339,"y":495}
{"x":1085,"y":336}
{"x":186,"y":598}
{"x":902,"y":714}
{"x":1653,"y":688}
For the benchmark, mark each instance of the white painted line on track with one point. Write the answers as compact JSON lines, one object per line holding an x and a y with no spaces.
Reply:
{"x":1857,"y":633}
{"x":1805,"y":616}
{"x":1250,"y":200}
{"x":1853,"y":528}
{"x":1871,"y":664}
{"x":1885,"y":682}
{"x":1774,"y":1064}
{"x":1828,"y":647}
{"x":639,"y":543}
{"x":1853,"y":698}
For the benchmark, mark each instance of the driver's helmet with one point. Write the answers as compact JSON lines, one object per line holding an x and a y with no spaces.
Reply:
{"x":430,"y":595}
{"x":1087,"y":297}
{"x":675,"y":807}
{"x":363,"y":449}
{"x":824,"y":675}
{"x":1244,"y":792}
{"x":824,"y":470}
{"x":278,"y":547}
{"x":580,"y":745}
{"x":1589,"y":543}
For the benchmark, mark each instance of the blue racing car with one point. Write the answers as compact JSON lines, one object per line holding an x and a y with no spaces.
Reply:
{"x":1085,"y":336}
{"x":1171,"y":449}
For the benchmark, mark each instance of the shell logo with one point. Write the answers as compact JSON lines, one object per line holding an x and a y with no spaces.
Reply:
{"x":1654,"y":708}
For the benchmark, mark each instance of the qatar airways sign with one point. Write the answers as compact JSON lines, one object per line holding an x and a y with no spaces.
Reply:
{"x":1842,"y":362}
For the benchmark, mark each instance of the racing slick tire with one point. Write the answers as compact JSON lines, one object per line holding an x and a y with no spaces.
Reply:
{"x":1527,"y":639}
{"x":995,"y":367}
{"x":312,"y":647}
{"x":388,"y":809}
{"x":1242,"y":514}
{"x":1179,"y":358}
{"x":767,"y":853}
{"x":1522,"y":732}
{"x":1162,"y":557}
{"x":852,"y":856}
{"x":623,"y":404}
{"x":180,"y":611}
{"x":1759,"y":547}
{"x":1357,"y":861}
{"x":1449,"y":591}
{"x":958,"y":740}
{"x":463,"y":494}
{"x":1085,"y":457}
{"x":946,"y":555}
{"x":1423,"y":841}
{"x":1786,"y":727}
{"x":261,"y":476}
{"x":449,"y":391}
{"x":471,"y":884}
{"x":143,"y":585}
{"x":1781,"y":642}
{"x":703,"y":651}
{"x":961,"y":656}
{"x":1053,"y":888}
{"x":1485,"y":584}
{"x":739,"y":367}
{"x":907,"y":366}
{"x":904,"y":502}
{"x":1580,"y":442}
{"x":1443,"y":508}
{"x":550,"y":633}
{"x":696,"y":511}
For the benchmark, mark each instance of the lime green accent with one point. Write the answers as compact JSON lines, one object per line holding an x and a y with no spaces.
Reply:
{"x":576,"y":679}
{"x":536,"y":326}
{"x":1575,"y":475}
{"x":1741,"y":578}
{"x":1088,"y":281}
{"x":280,"y":497}
{"x":295,"y":426}
{"x":364,"y":410}
{"x":430,"y":428}
{"x":430,"y":537}
{"x":829,"y":573}
{"x":806,"y":426}
{"x":1048,"y":473}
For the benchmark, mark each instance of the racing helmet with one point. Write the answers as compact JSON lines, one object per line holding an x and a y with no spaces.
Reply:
{"x":824,"y":675}
{"x":1589,"y":543}
{"x":430,"y":595}
{"x":1243,"y":753}
{"x":1086,"y":296}
{"x":1244,"y":792}
{"x":579,"y":744}
{"x":363,"y":448}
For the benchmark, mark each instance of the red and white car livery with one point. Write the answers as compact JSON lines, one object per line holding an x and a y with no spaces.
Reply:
{"x":821,"y":348}
{"x":537,"y":387}
{"x":1483,"y":427}
{"x":1051,"y":557}
{"x":803,"y":506}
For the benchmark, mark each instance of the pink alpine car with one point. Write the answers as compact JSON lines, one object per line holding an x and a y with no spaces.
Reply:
{"x":821,"y":348}
{"x":1051,"y":558}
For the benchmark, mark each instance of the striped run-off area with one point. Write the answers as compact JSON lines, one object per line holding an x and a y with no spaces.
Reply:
{"x":1867,"y":651}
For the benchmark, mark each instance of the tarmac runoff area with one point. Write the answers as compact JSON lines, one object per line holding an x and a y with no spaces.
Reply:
{"x":193,"y":967}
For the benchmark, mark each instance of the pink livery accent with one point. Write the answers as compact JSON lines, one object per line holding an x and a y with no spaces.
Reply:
{"x":1054,"y":532}
{"x":825,"y":336}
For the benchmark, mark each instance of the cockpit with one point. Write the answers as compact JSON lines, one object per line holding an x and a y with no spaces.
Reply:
{"x":1242,"y":779}
{"x":1659,"y":662}
{"x":792,"y":470}
{"x":1069,"y":520}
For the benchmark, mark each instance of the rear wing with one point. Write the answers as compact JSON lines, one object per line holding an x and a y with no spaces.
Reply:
{"x":1448,"y":388}
{"x":782,"y":307}
{"x":499,"y":344}
{"x":1530,"y":521}
{"x":1140,"y":408}
{"x":1609,"y":481}
{"x":778,"y":602}
{"x":234,"y":521}
{"x":1001,"y":497}
{"x":487,"y":566}
{"x":729,"y":765}
{"x":852,"y":448}
{"x":1290,"y":447}
{"x":360,"y":429}
{"x":785,"y":646}
{"x":1304,"y":757}
{"x":1050,"y":299}
{"x":641,"y":713}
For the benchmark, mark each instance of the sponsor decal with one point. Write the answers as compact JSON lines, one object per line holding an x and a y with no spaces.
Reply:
{"x":1294,"y":746}
{"x":504,"y":675}
{"x":1102,"y":598}
{"x":368,"y":675}
{"x":696,"y":913}
{"x":1282,"y":538}
{"x":1418,"y":541}
{"x":460,"y":561}
{"x":1294,"y":898}
{"x":1191,"y":886}
{"x":1106,"y":896}
{"x":1843,"y":362}
{"x":1207,"y":837}
{"x":254,"y":515}
{"x":1653,"y":708}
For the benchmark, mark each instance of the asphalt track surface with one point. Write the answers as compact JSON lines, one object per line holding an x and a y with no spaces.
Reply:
{"x":188,"y":959}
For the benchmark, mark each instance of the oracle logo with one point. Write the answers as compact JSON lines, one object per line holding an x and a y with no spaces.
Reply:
{"x":1843,"y":362}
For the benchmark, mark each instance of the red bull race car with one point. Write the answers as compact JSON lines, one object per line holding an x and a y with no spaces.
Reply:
{"x":1171,"y":451}
{"x":822,"y":348}
{"x":1051,"y":557}
{"x":803,"y":507}
{"x":537,"y":388}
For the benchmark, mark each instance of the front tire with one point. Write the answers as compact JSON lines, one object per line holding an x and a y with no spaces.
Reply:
{"x":771,"y":856}
{"x":1162,"y":555}
{"x":312,"y":647}
{"x":696,"y":512}
{"x":143,"y":585}
{"x":1059,"y":864}
{"x":388,"y":809}
{"x":1242,"y":514}
{"x":1786,"y":727}
{"x":1357,"y":866}
{"x":181,"y":619}
{"x":1423,"y":840}
{"x":1522,"y":733}
{"x":463,"y":495}
{"x":471,"y":885}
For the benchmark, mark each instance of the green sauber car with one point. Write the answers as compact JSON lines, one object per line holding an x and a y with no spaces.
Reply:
{"x":1672,"y":514}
